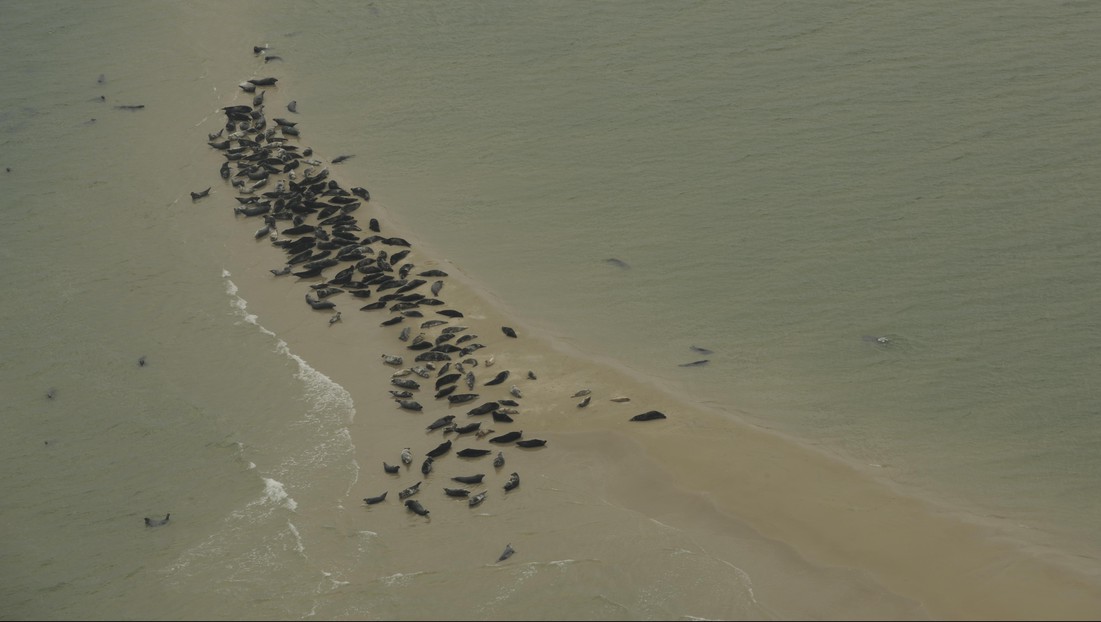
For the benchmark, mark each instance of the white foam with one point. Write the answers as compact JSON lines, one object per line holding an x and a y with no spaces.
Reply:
{"x":276,"y":493}
{"x":298,"y":545}
{"x":323,"y":391}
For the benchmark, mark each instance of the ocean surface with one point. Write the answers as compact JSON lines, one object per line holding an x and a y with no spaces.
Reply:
{"x":880,"y":219}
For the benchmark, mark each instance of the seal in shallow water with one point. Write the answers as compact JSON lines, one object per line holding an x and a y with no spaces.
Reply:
{"x":374,"y":500}
{"x":416,"y":507}
{"x":410,"y":491}
{"x":156,"y":522}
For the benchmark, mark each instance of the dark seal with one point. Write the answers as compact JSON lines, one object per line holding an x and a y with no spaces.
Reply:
{"x":649,"y":416}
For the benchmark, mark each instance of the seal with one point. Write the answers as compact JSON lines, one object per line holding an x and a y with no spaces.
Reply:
{"x":585,"y":402}
{"x":507,"y":437}
{"x":195,"y":196}
{"x":406,"y":456}
{"x":440,"y":449}
{"x":488,"y":407}
{"x":513,"y":482}
{"x":508,"y":332}
{"x":698,"y":363}
{"x":409,"y":404}
{"x":156,"y":522}
{"x":448,"y":379}
{"x":649,"y":415}
{"x":470,"y":452}
{"x":478,"y":498}
{"x":498,"y":379}
{"x":374,"y":500}
{"x":416,"y":507}
{"x":459,"y":398}
{"x":426,"y":466}
{"x":389,"y":468}
{"x":499,"y":461}
{"x":457,"y":492}
{"x":468,"y":428}
{"x":469,"y":479}
{"x":507,"y":553}
{"x":410,"y":491}
{"x":438,"y":423}
{"x":531,"y":442}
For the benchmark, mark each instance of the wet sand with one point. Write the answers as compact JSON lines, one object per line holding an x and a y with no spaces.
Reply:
{"x":816,"y":537}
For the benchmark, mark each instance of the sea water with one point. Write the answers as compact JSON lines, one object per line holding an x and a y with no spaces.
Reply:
{"x":781,"y":185}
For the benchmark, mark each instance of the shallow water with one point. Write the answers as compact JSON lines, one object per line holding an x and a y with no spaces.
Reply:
{"x":777,"y":183}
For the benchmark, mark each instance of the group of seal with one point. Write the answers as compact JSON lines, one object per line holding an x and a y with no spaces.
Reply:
{"x":310,"y":217}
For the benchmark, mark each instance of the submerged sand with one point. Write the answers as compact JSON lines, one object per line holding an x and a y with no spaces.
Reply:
{"x":816,"y":537}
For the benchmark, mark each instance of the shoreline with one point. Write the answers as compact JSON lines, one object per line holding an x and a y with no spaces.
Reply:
{"x":738,"y":476}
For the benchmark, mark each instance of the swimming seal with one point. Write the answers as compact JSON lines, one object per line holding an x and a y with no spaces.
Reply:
{"x":155,"y":522}
{"x":507,"y":553}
